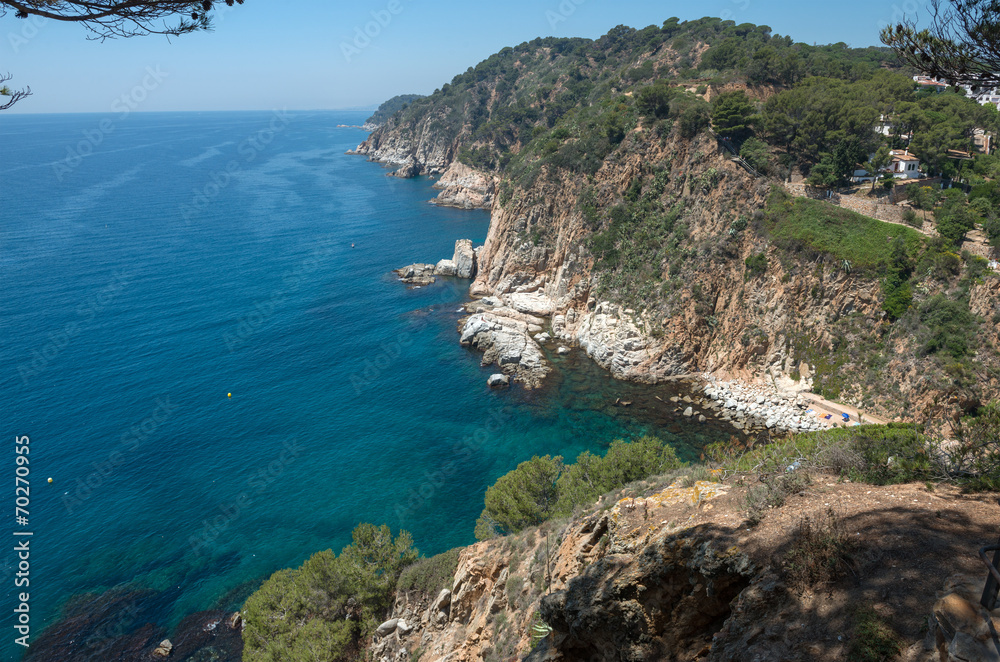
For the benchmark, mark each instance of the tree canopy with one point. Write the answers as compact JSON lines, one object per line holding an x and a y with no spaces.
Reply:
{"x":121,"y":18}
{"x":961,"y":46}
{"x":323,"y":609}
{"x":731,"y":113}
{"x":106,"y":19}
{"x":543,"y":486}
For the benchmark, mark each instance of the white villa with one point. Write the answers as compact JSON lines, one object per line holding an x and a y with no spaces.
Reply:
{"x":904,"y":165}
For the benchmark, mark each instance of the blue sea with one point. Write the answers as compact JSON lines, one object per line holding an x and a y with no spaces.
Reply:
{"x":202,"y":340}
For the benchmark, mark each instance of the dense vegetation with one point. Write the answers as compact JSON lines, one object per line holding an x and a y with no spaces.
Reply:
{"x":389,"y":108}
{"x":544,"y":487}
{"x":324,"y":609}
{"x":572,"y":101}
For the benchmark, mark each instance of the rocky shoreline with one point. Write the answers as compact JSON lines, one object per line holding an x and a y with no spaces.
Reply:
{"x":512,"y":329}
{"x":760,"y":406}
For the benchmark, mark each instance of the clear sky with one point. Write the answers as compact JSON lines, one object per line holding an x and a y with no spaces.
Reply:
{"x":267,"y":54}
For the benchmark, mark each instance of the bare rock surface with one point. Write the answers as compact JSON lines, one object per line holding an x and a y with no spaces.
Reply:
{"x":465,"y":187}
{"x":507,"y":343}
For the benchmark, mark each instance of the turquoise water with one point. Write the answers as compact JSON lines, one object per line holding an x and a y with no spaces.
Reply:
{"x":187,"y":256}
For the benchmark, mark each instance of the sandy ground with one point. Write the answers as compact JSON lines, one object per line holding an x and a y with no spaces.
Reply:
{"x":826,"y":407}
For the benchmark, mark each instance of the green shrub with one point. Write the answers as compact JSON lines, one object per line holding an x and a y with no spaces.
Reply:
{"x":947,"y":326}
{"x":592,"y":475}
{"x":910,"y":218}
{"x":523,"y":497}
{"x":544,"y":487}
{"x":891,"y":454}
{"x":756,"y":265}
{"x":430,"y":575}
{"x":977,"y":456}
{"x":754,"y":152}
{"x":330,"y":603}
{"x":693,"y":120}
{"x":513,"y":589}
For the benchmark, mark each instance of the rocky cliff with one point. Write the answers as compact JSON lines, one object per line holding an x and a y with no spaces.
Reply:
{"x":675,"y":573}
{"x":633,"y":236}
{"x":798,"y":315}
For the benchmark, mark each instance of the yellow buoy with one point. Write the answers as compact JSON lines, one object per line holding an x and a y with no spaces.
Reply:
{"x":50,"y":480}
{"x":229,"y":395}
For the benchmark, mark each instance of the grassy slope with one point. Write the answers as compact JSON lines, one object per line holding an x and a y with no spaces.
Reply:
{"x":816,"y":226}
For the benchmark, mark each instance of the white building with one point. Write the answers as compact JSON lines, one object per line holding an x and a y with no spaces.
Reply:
{"x":904,"y":165}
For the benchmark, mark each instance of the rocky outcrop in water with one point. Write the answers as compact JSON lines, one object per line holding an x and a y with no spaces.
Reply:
{"x":422,"y":151}
{"x":461,"y":265}
{"x":504,"y":336}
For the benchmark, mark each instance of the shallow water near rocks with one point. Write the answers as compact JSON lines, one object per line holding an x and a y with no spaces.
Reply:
{"x":154,"y":278}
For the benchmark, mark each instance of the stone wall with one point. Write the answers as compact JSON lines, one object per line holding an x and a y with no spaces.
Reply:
{"x":865,"y":206}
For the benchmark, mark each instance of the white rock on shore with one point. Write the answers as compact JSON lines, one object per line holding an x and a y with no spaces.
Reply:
{"x":763,"y":405}
{"x":506,"y":342}
{"x":462,"y":265}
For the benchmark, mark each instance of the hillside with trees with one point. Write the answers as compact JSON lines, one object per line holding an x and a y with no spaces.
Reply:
{"x":625,"y":222}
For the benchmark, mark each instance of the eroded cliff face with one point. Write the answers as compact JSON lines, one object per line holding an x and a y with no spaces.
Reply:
{"x":678,"y":574}
{"x":465,"y":187}
{"x":713,"y":319}
{"x":792,"y":316}
{"x":611,"y":586}
{"x":415,"y":149}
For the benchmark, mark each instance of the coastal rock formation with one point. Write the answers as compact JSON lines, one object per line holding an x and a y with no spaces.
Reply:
{"x":426,"y":152}
{"x":417,"y":274}
{"x":504,"y":338}
{"x":676,"y":574}
{"x":662,"y":260}
{"x":462,"y":264}
{"x":958,"y":630}
{"x":464,"y":259}
{"x":498,"y":381}
{"x":445,"y":268}
{"x":164,"y":649}
{"x":464,"y":187}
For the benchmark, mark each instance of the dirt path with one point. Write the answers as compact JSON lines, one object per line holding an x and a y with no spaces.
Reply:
{"x":826,"y":407}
